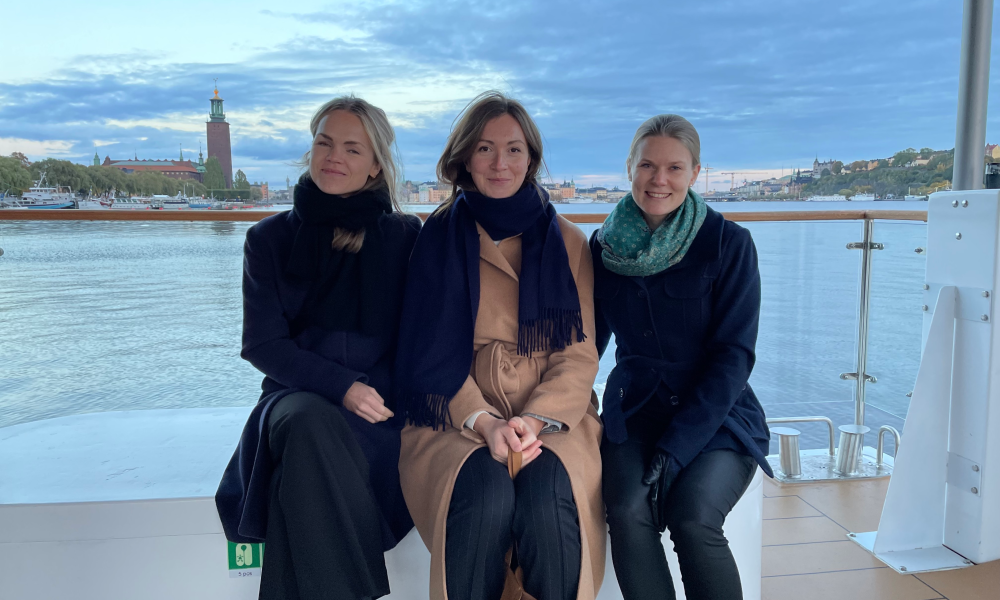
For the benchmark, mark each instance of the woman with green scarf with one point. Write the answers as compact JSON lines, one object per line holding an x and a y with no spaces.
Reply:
{"x":678,"y":286}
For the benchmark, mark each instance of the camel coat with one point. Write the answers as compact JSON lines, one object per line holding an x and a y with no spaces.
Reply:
{"x":556,"y":385}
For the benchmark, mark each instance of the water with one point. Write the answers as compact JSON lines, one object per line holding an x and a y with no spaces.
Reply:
{"x":129,"y":315}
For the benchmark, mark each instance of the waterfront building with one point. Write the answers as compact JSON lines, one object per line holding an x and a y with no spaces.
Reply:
{"x":818,"y":167}
{"x":219,"y":144}
{"x":175,"y":169}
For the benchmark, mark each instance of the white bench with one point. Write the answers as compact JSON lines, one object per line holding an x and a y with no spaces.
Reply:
{"x":120,"y":506}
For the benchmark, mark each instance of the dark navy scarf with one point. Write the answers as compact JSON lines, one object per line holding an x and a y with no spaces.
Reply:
{"x":347,"y":291}
{"x":442,"y":295}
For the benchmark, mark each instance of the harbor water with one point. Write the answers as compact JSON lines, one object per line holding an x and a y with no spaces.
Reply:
{"x":102,"y":316}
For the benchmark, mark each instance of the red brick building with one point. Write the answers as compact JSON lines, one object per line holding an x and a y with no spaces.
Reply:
{"x":175,"y":169}
{"x":218,"y":138}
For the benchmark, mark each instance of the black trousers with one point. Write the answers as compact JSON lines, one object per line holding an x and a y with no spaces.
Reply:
{"x":700,"y":498}
{"x":324,"y":529}
{"x":489,"y":512}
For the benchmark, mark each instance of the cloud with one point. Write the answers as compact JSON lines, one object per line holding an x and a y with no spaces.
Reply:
{"x":35,"y":148}
{"x":769,"y":83}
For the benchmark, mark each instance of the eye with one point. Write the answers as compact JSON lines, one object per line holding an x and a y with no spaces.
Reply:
{"x":483,"y":149}
{"x":353,"y":151}
{"x":675,"y":168}
{"x":322,"y":143}
{"x":515,"y":149}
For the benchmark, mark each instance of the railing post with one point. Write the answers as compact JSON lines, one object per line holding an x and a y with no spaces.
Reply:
{"x":860,"y":375}
{"x":973,"y":91}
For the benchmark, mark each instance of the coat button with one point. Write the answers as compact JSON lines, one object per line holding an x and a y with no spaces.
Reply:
{"x":621,"y":392}
{"x":648,"y":332}
{"x":642,"y":293}
{"x":674,"y":401}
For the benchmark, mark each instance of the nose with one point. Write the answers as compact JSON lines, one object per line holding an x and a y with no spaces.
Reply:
{"x":661,"y":177}
{"x":334,"y":154}
{"x":499,"y":162}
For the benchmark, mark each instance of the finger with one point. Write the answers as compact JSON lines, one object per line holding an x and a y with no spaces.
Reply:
{"x":379,"y":409}
{"x":510,"y":437}
{"x":518,"y":424}
{"x":375,"y":395}
{"x":362,"y":411}
{"x":529,"y":455}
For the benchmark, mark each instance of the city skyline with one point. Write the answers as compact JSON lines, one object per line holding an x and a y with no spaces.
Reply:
{"x":770,"y":86}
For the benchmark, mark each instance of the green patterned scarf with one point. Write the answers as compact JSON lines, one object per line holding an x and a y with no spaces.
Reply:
{"x":631,"y":249}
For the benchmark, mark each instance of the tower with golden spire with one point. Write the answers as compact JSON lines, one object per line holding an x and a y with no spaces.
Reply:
{"x":219,"y":144}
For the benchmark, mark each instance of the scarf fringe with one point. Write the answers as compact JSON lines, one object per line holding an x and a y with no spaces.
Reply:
{"x":428,"y":410}
{"x":554,"y":329}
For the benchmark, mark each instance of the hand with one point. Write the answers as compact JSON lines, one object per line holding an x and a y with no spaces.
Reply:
{"x":527,"y":430}
{"x":660,"y":476}
{"x":365,"y":402}
{"x":499,"y":436}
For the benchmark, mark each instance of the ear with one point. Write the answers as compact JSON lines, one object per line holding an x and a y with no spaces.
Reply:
{"x":628,"y":170}
{"x":694,"y":178}
{"x":375,"y":170}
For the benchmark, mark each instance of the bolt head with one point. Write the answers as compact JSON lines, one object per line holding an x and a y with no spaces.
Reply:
{"x":975,"y":468}
{"x":954,"y":203}
{"x":924,"y":308}
{"x":958,"y":235}
{"x":985,"y":317}
{"x":986,"y":294}
{"x":902,"y":568}
{"x":927,"y":287}
{"x":975,"y":490}
{"x":965,"y":203}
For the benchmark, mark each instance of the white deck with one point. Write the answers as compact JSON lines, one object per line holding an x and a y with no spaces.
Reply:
{"x":118,"y":506}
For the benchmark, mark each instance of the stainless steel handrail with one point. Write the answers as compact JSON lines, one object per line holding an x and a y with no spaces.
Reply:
{"x":895,"y":434}
{"x":829,"y":424}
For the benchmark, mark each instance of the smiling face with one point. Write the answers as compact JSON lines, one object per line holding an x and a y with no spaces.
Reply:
{"x":661,"y":175}
{"x":500,"y":159}
{"x":341,"y":158}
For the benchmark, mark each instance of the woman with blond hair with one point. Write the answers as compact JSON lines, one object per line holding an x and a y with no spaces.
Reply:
{"x":315,"y":474}
{"x":496,"y":367}
{"x":678,"y":286}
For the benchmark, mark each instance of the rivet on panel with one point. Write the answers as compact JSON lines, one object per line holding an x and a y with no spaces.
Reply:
{"x":985,"y":318}
{"x":927,"y":287}
{"x":924,"y":308}
{"x":975,"y":490}
{"x":975,"y":468}
{"x":954,"y":203}
{"x":965,"y":204}
{"x":958,"y":235}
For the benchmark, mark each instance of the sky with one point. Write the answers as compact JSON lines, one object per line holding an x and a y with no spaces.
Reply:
{"x":770,"y":85}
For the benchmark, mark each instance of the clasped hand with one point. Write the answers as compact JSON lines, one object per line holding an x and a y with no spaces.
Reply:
{"x":519,"y":434}
{"x":365,"y":402}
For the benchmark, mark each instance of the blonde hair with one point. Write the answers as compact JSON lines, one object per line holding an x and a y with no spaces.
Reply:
{"x":466,"y":132}
{"x":673,"y":126}
{"x":383,"y":141}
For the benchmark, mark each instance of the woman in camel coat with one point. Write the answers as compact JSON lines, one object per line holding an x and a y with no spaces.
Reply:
{"x":497,"y":355}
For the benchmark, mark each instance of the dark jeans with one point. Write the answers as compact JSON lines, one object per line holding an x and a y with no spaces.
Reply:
{"x":324,"y":530}
{"x":700,"y":498}
{"x":489,"y":512}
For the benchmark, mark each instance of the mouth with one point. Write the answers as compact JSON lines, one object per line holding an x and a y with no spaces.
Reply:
{"x":499,"y":181}
{"x":657,"y":196}
{"x":333,"y":172}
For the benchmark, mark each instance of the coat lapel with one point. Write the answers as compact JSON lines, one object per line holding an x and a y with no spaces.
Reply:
{"x":489,"y":252}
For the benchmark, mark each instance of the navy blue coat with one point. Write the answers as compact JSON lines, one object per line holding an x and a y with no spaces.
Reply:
{"x":686,"y":338}
{"x":315,"y":360}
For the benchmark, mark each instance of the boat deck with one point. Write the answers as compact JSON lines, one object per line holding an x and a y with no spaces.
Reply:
{"x":806,"y":553}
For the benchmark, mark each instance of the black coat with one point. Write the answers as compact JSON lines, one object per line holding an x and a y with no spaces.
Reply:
{"x":686,"y":338}
{"x":315,"y":360}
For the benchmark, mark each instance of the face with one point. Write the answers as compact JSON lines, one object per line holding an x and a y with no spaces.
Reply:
{"x":500,"y":159}
{"x":341,"y":159}
{"x":661,"y":175}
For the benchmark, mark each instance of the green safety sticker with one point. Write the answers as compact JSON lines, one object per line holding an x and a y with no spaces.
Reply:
{"x":245,"y":559}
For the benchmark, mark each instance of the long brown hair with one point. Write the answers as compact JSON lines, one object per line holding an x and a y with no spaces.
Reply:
{"x":468,"y":130}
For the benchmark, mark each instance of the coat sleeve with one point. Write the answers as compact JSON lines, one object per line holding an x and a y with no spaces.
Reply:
{"x":729,"y":353}
{"x":267,"y":344}
{"x":564,"y":394}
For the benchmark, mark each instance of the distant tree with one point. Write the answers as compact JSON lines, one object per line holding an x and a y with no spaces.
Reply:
{"x":838,"y":167}
{"x":859,"y":165}
{"x":926,"y":152}
{"x":63,"y":173}
{"x":882,"y":163}
{"x":214,"y":180}
{"x":846,"y":192}
{"x":825,"y":173}
{"x":14,"y":177}
{"x":22,"y":158}
{"x":240,"y":180}
{"x":256,"y":195}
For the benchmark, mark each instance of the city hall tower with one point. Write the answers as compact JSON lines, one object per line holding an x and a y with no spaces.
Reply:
{"x":218,"y":138}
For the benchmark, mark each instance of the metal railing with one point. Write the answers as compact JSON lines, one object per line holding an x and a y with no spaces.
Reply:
{"x":867,"y":246}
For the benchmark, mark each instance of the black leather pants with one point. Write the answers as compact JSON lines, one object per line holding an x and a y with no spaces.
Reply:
{"x":700,"y":498}
{"x":489,"y":512}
